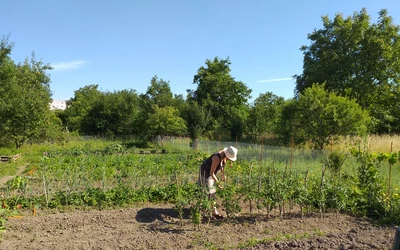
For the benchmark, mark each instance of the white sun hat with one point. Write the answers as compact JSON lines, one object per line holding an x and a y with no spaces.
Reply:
{"x":231,"y":153}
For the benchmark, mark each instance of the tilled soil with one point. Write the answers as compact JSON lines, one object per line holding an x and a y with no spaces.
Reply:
{"x":157,"y":226}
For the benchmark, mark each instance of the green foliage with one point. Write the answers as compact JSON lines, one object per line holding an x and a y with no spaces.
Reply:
{"x":370,"y":183}
{"x":264,"y":116}
{"x":289,"y":123}
{"x":24,"y":97}
{"x":158,"y":94}
{"x":334,"y":162}
{"x":140,"y":143}
{"x":166,"y":121}
{"x":321,"y":115}
{"x":79,"y":106}
{"x":17,"y":183}
{"x":359,"y":60}
{"x":114,"y":114}
{"x":221,"y":95}
{"x":53,"y":131}
{"x":197,"y":118}
{"x":87,"y":176}
{"x":230,"y":201}
{"x":114,"y":148}
{"x":337,"y":195}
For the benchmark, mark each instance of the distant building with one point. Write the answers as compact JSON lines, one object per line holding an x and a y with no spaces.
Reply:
{"x":58,"y":104}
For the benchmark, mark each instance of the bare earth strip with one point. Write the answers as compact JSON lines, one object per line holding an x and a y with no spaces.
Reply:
{"x":156,"y":226}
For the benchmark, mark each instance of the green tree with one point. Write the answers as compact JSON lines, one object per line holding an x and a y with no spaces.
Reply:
{"x":24,"y":96}
{"x":322,"y":115}
{"x":264,"y":115}
{"x":357,"y":59}
{"x":157,"y":94}
{"x":53,"y":129}
{"x":197,"y":118}
{"x":166,"y":121}
{"x":79,"y":106}
{"x":220,"y":94}
{"x":114,"y":114}
{"x":289,"y":123}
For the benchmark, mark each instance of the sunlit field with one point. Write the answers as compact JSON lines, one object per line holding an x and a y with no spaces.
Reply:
{"x":86,"y":172}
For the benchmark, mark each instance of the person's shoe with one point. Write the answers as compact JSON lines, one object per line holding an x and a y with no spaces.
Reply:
{"x":217,"y":216}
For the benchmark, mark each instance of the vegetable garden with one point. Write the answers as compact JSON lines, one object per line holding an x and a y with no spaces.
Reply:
{"x":266,"y":181}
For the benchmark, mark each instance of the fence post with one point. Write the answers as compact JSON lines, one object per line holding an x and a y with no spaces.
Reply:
{"x":236,"y":142}
{"x":396,"y":243}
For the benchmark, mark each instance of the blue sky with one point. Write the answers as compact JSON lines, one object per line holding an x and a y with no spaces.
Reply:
{"x":122,"y":44}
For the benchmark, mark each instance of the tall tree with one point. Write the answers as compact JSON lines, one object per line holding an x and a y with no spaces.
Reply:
{"x":24,"y":96}
{"x":157,"y":94}
{"x":357,"y":59}
{"x":196,"y":118}
{"x":264,"y":115}
{"x":289,"y":123}
{"x":79,"y":106}
{"x":223,"y":96}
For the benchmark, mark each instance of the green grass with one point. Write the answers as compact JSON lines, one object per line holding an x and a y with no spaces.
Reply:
{"x":8,"y":169}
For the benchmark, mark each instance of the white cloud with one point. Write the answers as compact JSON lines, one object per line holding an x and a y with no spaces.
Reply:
{"x":277,"y":79}
{"x":68,"y":65}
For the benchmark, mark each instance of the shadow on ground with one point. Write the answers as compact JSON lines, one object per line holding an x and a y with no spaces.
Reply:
{"x":149,"y":215}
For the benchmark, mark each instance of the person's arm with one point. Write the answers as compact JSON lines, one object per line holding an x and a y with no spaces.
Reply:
{"x":223,"y":177}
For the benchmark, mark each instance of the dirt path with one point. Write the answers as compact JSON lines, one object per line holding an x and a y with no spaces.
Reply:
{"x":154,"y":226}
{"x":5,"y":179}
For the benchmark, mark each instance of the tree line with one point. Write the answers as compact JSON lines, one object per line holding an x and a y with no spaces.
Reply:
{"x":349,"y":86}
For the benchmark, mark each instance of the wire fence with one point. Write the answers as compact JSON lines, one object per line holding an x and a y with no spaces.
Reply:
{"x":298,"y":159}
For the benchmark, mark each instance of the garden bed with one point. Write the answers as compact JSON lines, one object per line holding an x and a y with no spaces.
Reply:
{"x":157,"y":226}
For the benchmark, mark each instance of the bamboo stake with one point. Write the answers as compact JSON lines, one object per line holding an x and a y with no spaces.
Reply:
{"x":322,"y":187}
{"x":45,"y":190}
{"x":258,"y":192}
{"x":250,"y":204}
{"x":390,"y":170}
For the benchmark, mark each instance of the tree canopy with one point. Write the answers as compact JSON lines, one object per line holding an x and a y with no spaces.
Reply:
{"x":220,"y":94}
{"x":357,"y":59}
{"x":166,"y":121}
{"x":24,"y":97}
{"x":114,"y":114}
{"x":264,"y":115}
{"x":79,"y":106}
{"x":321,"y":115}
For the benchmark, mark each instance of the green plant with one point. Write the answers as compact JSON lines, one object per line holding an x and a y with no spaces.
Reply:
{"x":114,"y":149}
{"x":230,"y":200}
{"x":369,"y":182}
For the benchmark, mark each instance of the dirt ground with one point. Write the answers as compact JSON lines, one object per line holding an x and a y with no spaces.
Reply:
{"x":157,"y":226}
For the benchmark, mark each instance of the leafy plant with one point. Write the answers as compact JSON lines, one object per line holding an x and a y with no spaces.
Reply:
{"x":114,"y":149}
{"x":230,"y":200}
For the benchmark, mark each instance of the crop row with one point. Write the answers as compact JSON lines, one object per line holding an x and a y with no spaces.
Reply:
{"x":84,"y":177}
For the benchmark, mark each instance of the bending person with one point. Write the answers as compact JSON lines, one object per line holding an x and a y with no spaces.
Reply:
{"x":208,"y":173}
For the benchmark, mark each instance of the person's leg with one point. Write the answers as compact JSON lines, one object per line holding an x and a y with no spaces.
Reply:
{"x":211,"y":194}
